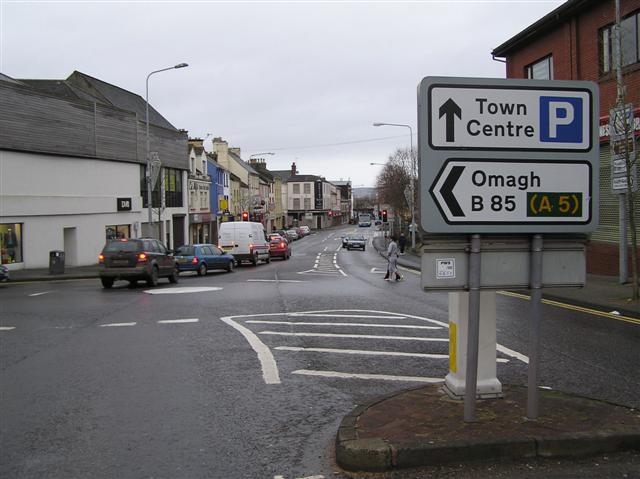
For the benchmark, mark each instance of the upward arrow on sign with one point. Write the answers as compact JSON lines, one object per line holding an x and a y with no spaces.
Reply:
{"x":450,"y":108}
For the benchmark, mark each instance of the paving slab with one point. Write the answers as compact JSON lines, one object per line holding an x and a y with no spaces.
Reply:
{"x":424,"y":427}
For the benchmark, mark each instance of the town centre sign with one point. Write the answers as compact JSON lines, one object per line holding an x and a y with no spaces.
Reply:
{"x":508,"y":156}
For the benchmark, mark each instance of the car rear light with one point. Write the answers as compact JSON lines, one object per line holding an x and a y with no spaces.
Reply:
{"x":101,"y":258}
{"x":194,"y":260}
{"x":142,"y":258}
{"x":282,"y":245}
{"x":250,"y":247}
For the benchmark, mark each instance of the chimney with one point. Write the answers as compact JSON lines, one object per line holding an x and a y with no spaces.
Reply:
{"x":196,"y":142}
{"x":235,"y":150}
{"x":293,"y":169}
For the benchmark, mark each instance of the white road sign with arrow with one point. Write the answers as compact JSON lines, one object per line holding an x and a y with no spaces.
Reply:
{"x":508,"y":156}
{"x":512,"y":191}
{"x":510,"y":118}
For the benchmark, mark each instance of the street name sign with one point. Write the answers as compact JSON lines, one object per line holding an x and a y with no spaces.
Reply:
{"x":508,"y":156}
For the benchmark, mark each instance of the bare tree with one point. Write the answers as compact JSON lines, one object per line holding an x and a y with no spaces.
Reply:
{"x":393,"y":180}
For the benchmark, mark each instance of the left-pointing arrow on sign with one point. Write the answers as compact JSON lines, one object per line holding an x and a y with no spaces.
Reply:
{"x":447,"y":190}
{"x":450,"y":108}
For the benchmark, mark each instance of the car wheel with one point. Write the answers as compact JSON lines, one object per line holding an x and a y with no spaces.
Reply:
{"x":363,"y":248}
{"x":268,"y":259}
{"x":106,"y":282}
{"x":173,"y":279}
{"x":152,"y":280}
{"x":202,"y":269}
{"x":230,"y":266}
{"x":133,"y":283}
{"x":254,"y":260}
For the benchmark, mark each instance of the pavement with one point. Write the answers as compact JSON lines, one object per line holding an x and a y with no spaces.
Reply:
{"x":424,"y":427}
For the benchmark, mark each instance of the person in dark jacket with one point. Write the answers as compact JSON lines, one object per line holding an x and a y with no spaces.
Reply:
{"x":402,"y":242}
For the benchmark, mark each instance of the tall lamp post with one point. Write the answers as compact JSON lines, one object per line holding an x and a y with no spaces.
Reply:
{"x":148,"y":173}
{"x":413,"y":176}
{"x":260,"y":154}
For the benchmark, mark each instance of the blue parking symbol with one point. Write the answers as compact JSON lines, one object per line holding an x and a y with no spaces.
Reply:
{"x":561,"y":119}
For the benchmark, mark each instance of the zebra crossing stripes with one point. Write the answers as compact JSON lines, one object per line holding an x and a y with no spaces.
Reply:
{"x":326,"y":264}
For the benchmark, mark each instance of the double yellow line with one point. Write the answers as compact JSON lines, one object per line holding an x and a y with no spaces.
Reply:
{"x":595,"y":312}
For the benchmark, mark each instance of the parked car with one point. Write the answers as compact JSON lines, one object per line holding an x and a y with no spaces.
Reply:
{"x":356,"y":242}
{"x":136,"y":259}
{"x":285,"y":235}
{"x":279,"y":247}
{"x":245,"y":240}
{"x":305,"y":229}
{"x":293,"y":234}
{"x":4,"y":273}
{"x":202,"y":258}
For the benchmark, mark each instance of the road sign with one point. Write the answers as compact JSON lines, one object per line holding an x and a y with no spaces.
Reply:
{"x":508,"y":156}
{"x":513,"y":192}
{"x":513,"y":118}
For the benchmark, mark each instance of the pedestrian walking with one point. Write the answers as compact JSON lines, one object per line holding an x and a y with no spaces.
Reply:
{"x":392,"y":256}
{"x":402,"y":242}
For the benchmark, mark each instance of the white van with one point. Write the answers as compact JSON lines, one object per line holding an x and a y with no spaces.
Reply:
{"x":245,"y":240}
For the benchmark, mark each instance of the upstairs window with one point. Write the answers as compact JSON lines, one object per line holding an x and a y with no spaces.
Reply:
{"x":307,"y":188}
{"x":630,"y":32}
{"x":296,"y":188}
{"x":540,"y":70}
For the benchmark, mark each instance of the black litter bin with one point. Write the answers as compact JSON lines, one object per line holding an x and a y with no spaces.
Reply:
{"x":56,"y":262}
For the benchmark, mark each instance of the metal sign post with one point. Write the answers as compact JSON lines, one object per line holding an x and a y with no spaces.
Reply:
{"x":471,"y":379}
{"x":500,"y":158}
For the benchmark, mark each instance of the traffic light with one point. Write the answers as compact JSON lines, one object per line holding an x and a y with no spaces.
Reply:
{"x":384,"y":216}
{"x":245,"y":216}
{"x":379,"y":214}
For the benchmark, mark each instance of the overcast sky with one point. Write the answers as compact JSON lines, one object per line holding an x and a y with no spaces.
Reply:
{"x":304,"y":80}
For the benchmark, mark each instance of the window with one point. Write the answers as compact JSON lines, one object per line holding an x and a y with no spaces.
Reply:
{"x":630,"y":32}
{"x":296,"y":188}
{"x":172,"y":187}
{"x":11,"y":242}
{"x":307,"y":203}
{"x":296,"y":203}
{"x":113,"y":232}
{"x":307,"y":188}
{"x":540,"y":70}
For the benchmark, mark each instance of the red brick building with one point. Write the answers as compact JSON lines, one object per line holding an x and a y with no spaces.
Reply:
{"x":575,"y":42}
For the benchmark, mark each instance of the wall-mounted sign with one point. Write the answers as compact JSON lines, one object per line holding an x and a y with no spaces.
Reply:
{"x":124,"y":204}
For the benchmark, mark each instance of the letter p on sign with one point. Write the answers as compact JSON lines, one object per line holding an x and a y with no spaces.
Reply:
{"x":561,"y":119}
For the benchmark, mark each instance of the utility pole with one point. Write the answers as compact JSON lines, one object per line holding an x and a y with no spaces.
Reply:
{"x":626,"y":200}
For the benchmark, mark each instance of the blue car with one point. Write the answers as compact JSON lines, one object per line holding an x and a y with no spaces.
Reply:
{"x":202,"y":258}
{"x":4,"y":273}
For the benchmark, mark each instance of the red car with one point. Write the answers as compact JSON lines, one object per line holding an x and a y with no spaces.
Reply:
{"x":279,"y":247}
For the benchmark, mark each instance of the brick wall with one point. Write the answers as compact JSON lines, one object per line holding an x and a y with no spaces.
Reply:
{"x":574,"y":46}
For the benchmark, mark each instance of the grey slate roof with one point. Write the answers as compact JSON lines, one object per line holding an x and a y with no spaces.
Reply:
{"x":282,"y":174}
{"x":85,"y":87}
{"x":305,"y":178}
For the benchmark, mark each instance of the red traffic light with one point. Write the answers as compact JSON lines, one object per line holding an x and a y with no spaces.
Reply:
{"x":384,"y":215}
{"x":245,"y":216}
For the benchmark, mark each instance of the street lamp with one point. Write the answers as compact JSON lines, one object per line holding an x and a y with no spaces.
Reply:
{"x":148,"y":174}
{"x":413,"y":175}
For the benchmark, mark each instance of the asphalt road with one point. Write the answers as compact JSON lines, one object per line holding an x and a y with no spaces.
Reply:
{"x":248,"y":374}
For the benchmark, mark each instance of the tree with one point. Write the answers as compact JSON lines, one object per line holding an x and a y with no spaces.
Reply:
{"x":393,"y":180}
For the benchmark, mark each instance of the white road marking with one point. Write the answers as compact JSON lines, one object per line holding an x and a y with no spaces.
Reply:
{"x":178,"y":321}
{"x":512,"y":353}
{"x":362,"y":352}
{"x":7,"y":328}
{"x":375,"y":377}
{"x":275,"y":281}
{"x":377,"y":271}
{"x":188,"y":289}
{"x":359,"y":336}
{"x":267,"y":361}
{"x":40,"y":294}
{"x":361,"y":316}
{"x":356,"y":325}
{"x":117,"y":325}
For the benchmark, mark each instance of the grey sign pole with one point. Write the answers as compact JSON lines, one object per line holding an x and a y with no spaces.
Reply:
{"x":534,"y":327}
{"x":473,"y":334}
